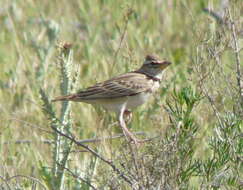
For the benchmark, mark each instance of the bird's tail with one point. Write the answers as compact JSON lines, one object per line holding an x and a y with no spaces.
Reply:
{"x":70,"y":97}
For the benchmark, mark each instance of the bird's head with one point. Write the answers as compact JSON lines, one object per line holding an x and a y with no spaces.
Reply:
{"x":154,"y":66}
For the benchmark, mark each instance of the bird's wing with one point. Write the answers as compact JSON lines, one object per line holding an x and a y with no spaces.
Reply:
{"x":123,"y":85}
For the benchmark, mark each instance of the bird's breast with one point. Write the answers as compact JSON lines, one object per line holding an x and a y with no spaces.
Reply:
{"x":155,"y":86}
{"x":137,"y":100}
{"x":141,"y":98}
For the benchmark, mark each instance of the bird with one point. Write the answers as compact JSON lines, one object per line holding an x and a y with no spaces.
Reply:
{"x":124,"y":92}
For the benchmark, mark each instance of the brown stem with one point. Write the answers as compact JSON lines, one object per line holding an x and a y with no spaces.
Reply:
{"x":71,"y":138}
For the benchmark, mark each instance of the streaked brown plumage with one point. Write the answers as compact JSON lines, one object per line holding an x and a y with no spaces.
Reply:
{"x":116,"y":87}
{"x":124,"y":92}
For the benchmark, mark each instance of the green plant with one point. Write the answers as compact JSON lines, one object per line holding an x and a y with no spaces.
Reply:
{"x":62,"y":146}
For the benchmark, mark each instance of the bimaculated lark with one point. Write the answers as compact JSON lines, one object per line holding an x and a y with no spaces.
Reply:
{"x":124,"y":92}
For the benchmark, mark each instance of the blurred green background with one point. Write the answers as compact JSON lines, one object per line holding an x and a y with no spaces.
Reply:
{"x":108,"y":37}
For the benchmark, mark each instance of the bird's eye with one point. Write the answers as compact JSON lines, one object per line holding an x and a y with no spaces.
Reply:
{"x":153,"y":63}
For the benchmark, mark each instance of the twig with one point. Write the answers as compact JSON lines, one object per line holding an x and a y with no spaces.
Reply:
{"x":78,"y":177}
{"x":31,"y":125}
{"x":120,"y":44}
{"x":107,"y":138}
{"x":28,"y":142}
{"x":211,"y":101}
{"x":80,"y":141}
{"x":119,"y":47}
{"x":237,"y":57}
{"x":206,"y":93}
{"x":28,"y":177}
{"x":110,"y":163}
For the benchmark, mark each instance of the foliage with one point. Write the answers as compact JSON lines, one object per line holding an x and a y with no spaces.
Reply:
{"x":194,"y":121}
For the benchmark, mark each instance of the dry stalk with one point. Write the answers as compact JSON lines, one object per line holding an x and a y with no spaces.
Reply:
{"x":237,"y":57}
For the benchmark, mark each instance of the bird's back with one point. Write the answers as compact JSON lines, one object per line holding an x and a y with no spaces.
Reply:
{"x":128,"y":84}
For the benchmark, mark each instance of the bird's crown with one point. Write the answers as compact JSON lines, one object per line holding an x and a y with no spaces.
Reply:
{"x":150,"y":58}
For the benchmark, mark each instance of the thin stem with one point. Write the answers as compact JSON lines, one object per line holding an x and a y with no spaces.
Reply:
{"x":120,"y":44}
{"x":78,"y":177}
{"x":237,"y":57}
{"x":91,"y":140}
{"x":95,"y":154}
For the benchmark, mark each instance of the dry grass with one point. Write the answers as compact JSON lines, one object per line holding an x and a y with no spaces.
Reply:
{"x":110,"y":37}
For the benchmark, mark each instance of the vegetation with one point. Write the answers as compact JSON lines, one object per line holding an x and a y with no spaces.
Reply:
{"x":194,"y":122}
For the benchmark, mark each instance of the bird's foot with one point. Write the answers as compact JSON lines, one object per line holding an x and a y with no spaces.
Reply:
{"x":137,"y":141}
{"x":133,"y":139}
{"x":127,"y":115}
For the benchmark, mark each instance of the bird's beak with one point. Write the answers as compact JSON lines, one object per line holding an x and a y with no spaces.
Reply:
{"x":164,"y":64}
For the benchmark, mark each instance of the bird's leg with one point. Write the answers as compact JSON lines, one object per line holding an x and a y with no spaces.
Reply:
{"x":125,"y":130}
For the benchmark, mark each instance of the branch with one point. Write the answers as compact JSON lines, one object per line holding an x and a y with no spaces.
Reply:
{"x":110,"y":163}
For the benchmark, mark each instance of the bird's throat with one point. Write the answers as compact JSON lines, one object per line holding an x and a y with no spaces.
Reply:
{"x":156,"y":78}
